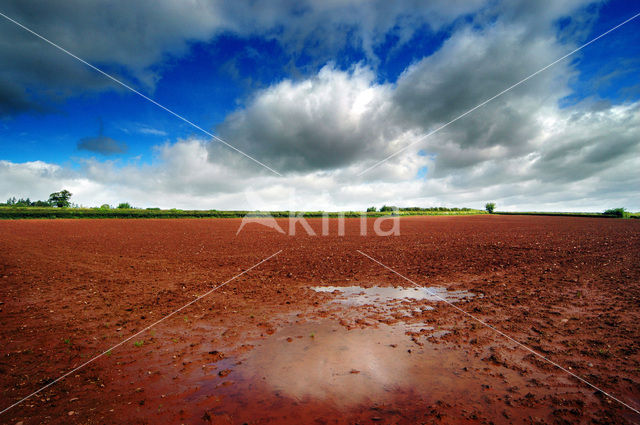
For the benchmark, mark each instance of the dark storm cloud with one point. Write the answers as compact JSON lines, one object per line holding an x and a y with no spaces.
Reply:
{"x":113,"y":35}
{"x":14,"y":99}
{"x":138,"y":36}
{"x":103,"y":145}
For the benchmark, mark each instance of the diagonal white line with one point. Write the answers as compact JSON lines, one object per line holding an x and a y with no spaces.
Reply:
{"x":501,"y":333}
{"x":138,"y":333}
{"x":420,"y":139}
{"x":111,"y":77}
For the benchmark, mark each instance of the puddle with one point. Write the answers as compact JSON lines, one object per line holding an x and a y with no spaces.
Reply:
{"x":358,"y":295}
{"x":316,"y":369}
{"x":344,"y":367}
{"x":321,"y":370}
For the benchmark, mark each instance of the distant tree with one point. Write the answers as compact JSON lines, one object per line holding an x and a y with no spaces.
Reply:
{"x":371,"y":209}
{"x":105,"y":207}
{"x":617,"y":212}
{"x":41,"y":204}
{"x":124,"y":206}
{"x":387,"y":208}
{"x":60,"y":199}
{"x":490,"y":206}
{"x":22,"y":202}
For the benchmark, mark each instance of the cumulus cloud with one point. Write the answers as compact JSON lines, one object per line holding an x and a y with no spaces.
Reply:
{"x":572,"y":169}
{"x":34,"y":179}
{"x":325,"y":122}
{"x":339,"y":118}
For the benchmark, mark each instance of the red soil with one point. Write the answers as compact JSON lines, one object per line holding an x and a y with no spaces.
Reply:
{"x":267,"y":349}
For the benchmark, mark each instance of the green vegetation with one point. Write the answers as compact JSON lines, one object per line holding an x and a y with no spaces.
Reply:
{"x":11,"y":212}
{"x":21,"y":212}
{"x":60,"y":199}
{"x":490,"y":206}
{"x":56,"y":199}
{"x":138,"y":343}
{"x":617,"y":212}
{"x":387,"y":208}
{"x":436,"y":209}
{"x":59,"y":206}
{"x":13,"y":202}
{"x":572,"y":214}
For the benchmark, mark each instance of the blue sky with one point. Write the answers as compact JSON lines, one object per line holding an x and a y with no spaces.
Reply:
{"x":271,"y":79}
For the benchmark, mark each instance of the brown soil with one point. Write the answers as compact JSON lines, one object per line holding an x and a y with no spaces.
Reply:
{"x":266,"y":348}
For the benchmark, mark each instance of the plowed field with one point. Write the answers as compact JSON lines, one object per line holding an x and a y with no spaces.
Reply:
{"x":269,"y":348}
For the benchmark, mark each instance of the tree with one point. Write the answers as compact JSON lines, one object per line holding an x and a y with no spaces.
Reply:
{"x":490,"y":206}
{"x":617,"y":212}
{"x":371,"y":209}
{"x":124,"y":206}
{"x":60,"y":199}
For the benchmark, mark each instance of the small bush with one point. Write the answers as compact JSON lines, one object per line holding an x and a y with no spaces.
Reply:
{"x":124,"y":206}
{"x":617,"y":212}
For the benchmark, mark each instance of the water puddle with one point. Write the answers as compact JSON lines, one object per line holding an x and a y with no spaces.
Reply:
{"x":315,"y":369}
{"x":358,"y":295}
{"x":325,"y":361}
{"x":366,"y":355}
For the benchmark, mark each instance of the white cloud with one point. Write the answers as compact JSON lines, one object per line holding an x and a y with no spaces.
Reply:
{"x":151,"y":131}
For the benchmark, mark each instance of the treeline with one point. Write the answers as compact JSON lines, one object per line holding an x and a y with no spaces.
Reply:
{"x":388,"y":208}
{"x":50,"y":212}
{"x":611,"y":213}
{"x":59,"y":206}
{"x":435,"y":209}
{"x":21,"y":202}
{"x":103,"y":212}
{"x":56,"y":199}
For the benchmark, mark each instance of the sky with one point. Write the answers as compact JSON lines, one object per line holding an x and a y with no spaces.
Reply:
{"x":312,"y":96}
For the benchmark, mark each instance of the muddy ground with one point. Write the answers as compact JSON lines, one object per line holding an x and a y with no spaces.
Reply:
{"x":267,"y":348}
